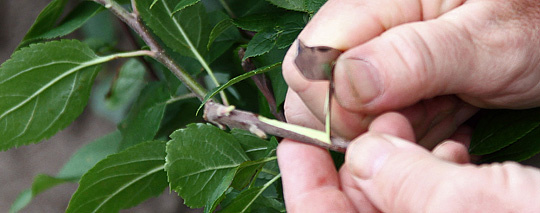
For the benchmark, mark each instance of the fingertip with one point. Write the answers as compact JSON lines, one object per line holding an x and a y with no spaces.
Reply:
{"x":452,"y":151}
{"x":395,"y":124}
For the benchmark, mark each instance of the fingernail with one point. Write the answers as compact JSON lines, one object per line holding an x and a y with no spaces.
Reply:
{"x":367,"y":154}
{"x":363,"y":78}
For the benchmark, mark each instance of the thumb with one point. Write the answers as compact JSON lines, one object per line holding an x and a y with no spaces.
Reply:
{"x":399,"y":176}
{"x":460,"y":52}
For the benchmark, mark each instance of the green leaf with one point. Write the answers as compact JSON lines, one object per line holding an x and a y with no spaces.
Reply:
{"x":255,"y":147}
{"x":143,"y":120}
{"x":127,"y":85}
{"x":247,"y":171}
{"x":220,"y":27}
{"x":223,"y":41}
{"x":86,"y":157}
{"x":235,"y":80}
{"x":44,"y":22}
{"x":243,"y":202}
{"x":122,"y":180}
{"x":191,"y":22}
{"x":198,"y":159}
{"x":43,"y":88}
{"x":258,"y":22}
{"x":79,"y":163}
{"x":218,"y":195}
{"x":500,"y":128}
{"x":183,"y":4}
{"x":74,"y":20}
{"x":297,"y":5}
{"x":522,"y":149}
{"x":240,"y":8}
{"x":313,"y":5}
{"x":261,"y":43}
{"x":41,"y":183}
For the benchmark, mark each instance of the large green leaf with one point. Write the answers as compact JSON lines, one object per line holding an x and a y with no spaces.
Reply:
{"x":122,"y":180}
{"x":500,"y":128}
{"x":43,"y":88}
{"x":44,"y":22}
{"x":143,"y":120}
{"x":199,"y":158}
{"x":190,"y":23}
{"x":522,"y":149}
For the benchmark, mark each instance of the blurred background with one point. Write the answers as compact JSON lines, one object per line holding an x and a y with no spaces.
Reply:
{"x":19,"y":166}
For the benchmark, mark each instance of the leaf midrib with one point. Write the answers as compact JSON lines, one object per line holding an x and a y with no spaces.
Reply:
{"x":93,"y":62}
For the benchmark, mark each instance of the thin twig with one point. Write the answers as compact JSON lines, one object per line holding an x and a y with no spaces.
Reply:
{"x":133,"y":21}
{"x":264,"y":86}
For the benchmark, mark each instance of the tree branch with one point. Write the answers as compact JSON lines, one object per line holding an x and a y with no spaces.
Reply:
{"x":134,"y":22}
{"x":221,"y":115}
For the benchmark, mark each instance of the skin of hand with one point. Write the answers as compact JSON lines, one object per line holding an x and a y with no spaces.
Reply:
{"x":433,"y":61}
{"x":385,"y":172}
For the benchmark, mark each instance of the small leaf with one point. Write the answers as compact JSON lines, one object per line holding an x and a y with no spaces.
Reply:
{"x":522,"y":149}
{"x":218,"y":195}
{"x":142,"y":122}
{"x":183,"y":4}
{"x":235,"y":80}
{"x":220,"y":27}
{"x":43,"y":88}
{"x":122,"y":180}
{"x":297,"y":5}
{"x":261,"y":43}
{"x":74,"y":20}
{"x":246,"y":198}
{"x":247,"y":171}
{"x":41,"y":183}
{"x":127,"y":85}
{"x":86,"y":157}
{"x":198,"y":159}
{"x":255,"y":147}
{"x":44,"y":22}
{"x":501,"y":128}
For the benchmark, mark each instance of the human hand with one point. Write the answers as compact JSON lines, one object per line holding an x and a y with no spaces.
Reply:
{"x":411,"y":55}
{"x":385,"y":172}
